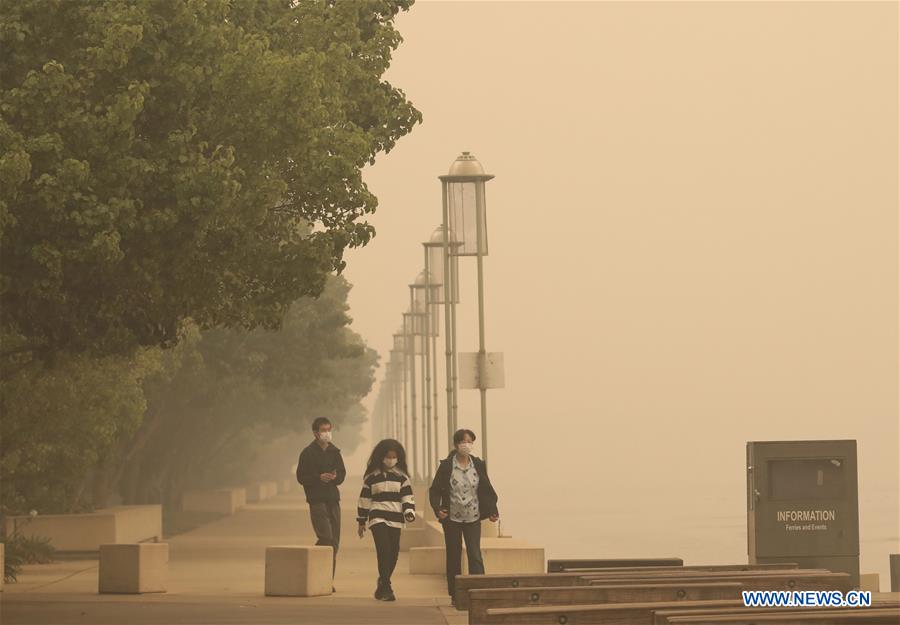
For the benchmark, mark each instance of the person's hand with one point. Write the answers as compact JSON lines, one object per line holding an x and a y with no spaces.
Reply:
{"x":410,"y":516}
{"x":442,"y":514}
{"x":362,"y":529}
{"x":326,"y":477}
{"x":494,"y":517}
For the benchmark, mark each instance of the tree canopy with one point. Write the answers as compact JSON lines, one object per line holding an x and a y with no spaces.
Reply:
{"x":85,"y":431}
{"x":172,"y":160}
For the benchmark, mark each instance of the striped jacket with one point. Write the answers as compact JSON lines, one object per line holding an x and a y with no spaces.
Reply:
{"x":385,"y":498}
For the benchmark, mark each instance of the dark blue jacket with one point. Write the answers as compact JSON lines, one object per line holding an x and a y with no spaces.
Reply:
{"x":439,"y":493}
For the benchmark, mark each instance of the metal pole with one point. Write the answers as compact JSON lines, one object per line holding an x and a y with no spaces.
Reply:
{"x":412,"y":392}
{"x":448,"y":323}
{"x":453,"y":374}
{"x":405,"y":427}
{"x":426,"y":422}
{"x":479,"y":235}
{"x":397,"y":405}
{"x":429,"y":463}
{"x":436,"y":429}
{"x":429,"y":272}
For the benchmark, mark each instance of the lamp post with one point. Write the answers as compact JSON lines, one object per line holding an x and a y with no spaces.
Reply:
{"x":394,"y":394}
{"x":419,"y":301}
{"x":412,"y":328}
{"x":465,"y":216}
{"x":437,"y":296}
{"x":442,"y":270}
{"x":400,"y":349}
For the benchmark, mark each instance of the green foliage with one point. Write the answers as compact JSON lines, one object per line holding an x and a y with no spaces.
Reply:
{"x":20,"y":550}
{"x":172,"y":160}
{"x":214,"y":414}
{"x":59,"y":420}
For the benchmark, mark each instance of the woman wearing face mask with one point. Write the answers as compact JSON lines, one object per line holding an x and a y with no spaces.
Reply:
{"x":385,"y":506}
{"x":461,"y":496}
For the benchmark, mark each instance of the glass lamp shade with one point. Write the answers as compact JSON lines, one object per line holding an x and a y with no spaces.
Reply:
{"x":434,"y":267}
{"x":424,"y":305}
{"x":464,"y":204}
{"x":413,"y":324}
{"x":465,"y":207}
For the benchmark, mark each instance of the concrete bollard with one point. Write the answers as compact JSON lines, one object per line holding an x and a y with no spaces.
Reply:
{"x":870,"y":582}
{"x":298,"y":571}
{"x":133,"y":568}
{"x":222,"y":501}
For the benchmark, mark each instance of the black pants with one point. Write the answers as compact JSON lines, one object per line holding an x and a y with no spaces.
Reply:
{"x":326,"y":522}
{"x":387,"y":548}
{"x":454,"y":533}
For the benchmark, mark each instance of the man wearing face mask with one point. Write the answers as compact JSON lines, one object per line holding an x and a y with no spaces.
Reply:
{"x":461,"y":496}
{"x":321,"y":470}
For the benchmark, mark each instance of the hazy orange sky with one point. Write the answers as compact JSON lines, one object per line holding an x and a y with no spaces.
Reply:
{"x":693,"y":230}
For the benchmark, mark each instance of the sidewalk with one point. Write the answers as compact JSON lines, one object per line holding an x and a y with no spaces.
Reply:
{"x":216,"y":575}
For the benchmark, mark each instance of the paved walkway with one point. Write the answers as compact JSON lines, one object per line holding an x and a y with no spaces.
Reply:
{"x":216,"y":576}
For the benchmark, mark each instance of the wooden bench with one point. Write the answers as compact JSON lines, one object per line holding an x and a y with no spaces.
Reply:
{"x":772,"y":566}
{"x":728,"y":586}
{"x":558,"y":566}
{"x":662,"y":617}
{"x":481,"y":600}
{"x":575,"y":578}
{"x":724,"y":572}
{"x":819,"y":616}
{"x":639,"y":613}
{"x":813,"y":580}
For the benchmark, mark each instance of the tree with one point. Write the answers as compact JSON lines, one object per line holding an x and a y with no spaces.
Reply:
{"x":232,"y":393}
{"x":165,"y":161}
{"x":60,"y":420}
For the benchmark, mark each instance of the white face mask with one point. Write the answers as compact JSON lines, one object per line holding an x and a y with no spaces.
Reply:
{"x":325,"y":437}
{"x":464,"y":448}
{"x":390,"y":463}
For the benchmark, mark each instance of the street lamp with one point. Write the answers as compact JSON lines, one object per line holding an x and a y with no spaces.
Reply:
{"x":465,"y":215}
{"x":413,"y":323}
{"x":442,"y":270}
{"x":422,"y":293}
{"x":403,"y":409}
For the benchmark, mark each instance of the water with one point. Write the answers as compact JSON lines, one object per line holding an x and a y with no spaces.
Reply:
{"x":708,"y":527}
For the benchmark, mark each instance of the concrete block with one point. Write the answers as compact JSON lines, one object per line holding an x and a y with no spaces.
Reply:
{"x":86,"y":532}
{"x":260,"y":491}
{"x":870,"y":582}
{"x":298,"y":571}
{"x":220,"y":501}
{"x":133,"y":568}
{"x":500,"y":555}
{"x":412,"y":537}
{"x":434,"y":534}
{"x":136,"y":524}
{"x":489,"y":529}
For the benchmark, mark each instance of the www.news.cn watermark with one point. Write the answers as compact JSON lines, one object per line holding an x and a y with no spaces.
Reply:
{"x":806,"y":598}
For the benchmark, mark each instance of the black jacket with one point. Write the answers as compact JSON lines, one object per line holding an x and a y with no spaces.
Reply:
{"x":312,"y":463}
{"x":439,"y":493}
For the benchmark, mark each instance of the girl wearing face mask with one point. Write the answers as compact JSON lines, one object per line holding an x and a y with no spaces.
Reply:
{"x":385,"y":506}
{"x":462,"y":496}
